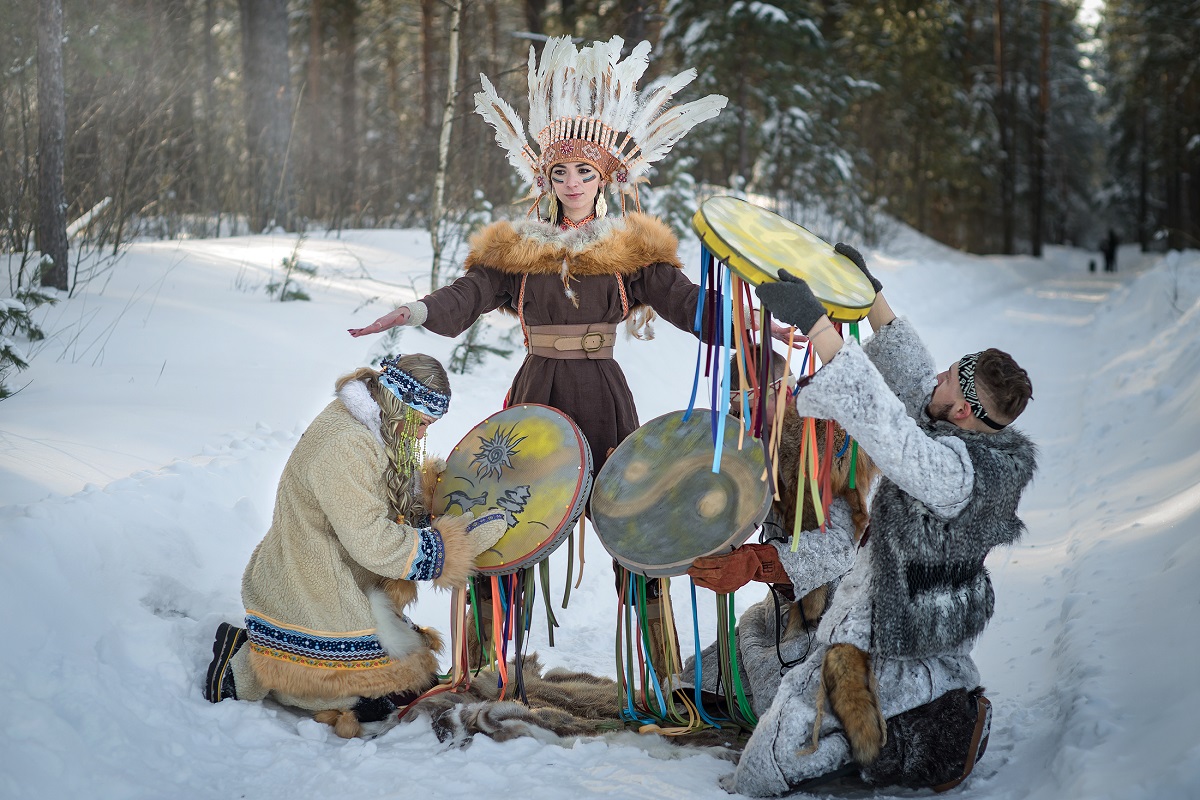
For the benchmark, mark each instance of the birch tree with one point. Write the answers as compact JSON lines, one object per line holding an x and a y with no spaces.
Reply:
{"x":439,"y":184}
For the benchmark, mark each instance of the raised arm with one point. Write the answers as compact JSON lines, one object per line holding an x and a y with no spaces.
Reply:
{"x":449,"y":310}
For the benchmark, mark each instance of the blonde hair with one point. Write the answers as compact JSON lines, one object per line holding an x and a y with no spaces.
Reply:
{"x":402,"y":482}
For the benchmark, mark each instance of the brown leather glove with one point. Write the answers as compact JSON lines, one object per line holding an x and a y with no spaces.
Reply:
{"x":730,"y":572}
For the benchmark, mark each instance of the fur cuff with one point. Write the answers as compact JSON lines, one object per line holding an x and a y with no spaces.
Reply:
{"x":431,"y":473}
{"x":418,"y":313}
{"x":460,"y":556}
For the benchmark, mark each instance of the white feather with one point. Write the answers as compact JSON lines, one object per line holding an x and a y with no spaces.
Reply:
{"x":595,"y":85}
{"x":672,"y":126}
{"x":510,"y":131}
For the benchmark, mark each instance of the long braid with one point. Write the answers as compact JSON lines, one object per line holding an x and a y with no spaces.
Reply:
{"x":405,"y":455}
{"x":398,"y":423}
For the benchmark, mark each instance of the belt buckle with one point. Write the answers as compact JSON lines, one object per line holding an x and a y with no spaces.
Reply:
{"x":599,"y":341}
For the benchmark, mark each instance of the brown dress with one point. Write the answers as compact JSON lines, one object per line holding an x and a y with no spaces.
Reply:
{"x":636,"y":255}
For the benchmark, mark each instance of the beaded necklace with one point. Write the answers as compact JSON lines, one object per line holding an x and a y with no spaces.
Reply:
{"x":567,"y":224}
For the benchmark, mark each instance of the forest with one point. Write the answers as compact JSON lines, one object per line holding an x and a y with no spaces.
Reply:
{"x":993,"y":126}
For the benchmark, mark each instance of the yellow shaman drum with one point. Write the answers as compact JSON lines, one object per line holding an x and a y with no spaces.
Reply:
{"x":533,"y":463}
{"x":756,"y":244}
{"x":657,"y":506}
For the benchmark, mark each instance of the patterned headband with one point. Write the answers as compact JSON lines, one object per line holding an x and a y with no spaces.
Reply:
{"x":966,"y":379}
{"x":412,"y":392}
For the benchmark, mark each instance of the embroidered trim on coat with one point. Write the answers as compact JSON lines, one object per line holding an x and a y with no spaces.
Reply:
{"x":344,"y":652}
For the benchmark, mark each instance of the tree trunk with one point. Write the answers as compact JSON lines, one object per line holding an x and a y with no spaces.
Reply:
{"x":570,"y":15}
{"x":428,"y":62}
{"x":181,"y":150}
{"x":347,"y":37}
{"x":535,"y":12}
{"x":268,"y":112}
{"x":211,"y":159}
{"x":633,"y":21}
{"x":316,"y":116}
{"x":439,"y":184}
{"x":1037,"y":228}
{"x":1145,"y":232}
{"x":52,"y":125}
{"x":1004,"y":122}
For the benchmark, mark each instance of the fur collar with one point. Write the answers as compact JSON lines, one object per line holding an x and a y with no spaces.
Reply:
{"x":356,"y":397}
{"x":608,"y":246}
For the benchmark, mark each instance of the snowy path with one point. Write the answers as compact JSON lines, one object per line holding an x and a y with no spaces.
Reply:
{"x":111,"y":593}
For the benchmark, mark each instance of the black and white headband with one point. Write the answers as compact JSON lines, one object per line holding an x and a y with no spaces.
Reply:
{"x":966,"y":380}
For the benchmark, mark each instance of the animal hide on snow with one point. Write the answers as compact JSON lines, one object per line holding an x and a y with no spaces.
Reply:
{"x":563,"y":707}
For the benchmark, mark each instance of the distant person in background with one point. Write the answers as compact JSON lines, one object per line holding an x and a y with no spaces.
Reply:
{"x":1111,"y":243}
{"x":350,"y":540}
{"x":899,"y":632}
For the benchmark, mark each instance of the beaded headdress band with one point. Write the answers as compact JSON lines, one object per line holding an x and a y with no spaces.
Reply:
{"x":412,"y":392}
{"x":584,"y":106}
{"x":966,"y":381}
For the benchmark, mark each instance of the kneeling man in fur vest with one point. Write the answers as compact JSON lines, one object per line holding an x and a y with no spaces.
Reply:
{"x":892,"y":657}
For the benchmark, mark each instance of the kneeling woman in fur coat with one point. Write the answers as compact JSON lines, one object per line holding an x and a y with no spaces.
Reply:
{"x":350,"y":538}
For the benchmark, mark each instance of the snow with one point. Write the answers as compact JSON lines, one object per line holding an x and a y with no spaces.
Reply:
{"x":138,"y":465}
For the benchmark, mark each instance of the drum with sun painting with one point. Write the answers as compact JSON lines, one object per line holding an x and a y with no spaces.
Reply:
{"x":533,"y":463}
{"x":756,"y":244}
{"x":657,"y":505}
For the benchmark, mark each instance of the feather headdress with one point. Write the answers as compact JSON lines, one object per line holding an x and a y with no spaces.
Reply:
{"x":584,"y":106}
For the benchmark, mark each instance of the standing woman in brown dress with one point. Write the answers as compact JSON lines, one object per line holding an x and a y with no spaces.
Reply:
{"x":574,"y":275}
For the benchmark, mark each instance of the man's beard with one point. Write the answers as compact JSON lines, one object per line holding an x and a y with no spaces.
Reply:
{"x":939,"y":413}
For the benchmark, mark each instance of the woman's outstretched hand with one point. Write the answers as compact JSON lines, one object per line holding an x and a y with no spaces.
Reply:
{"x":390,"y":320}
{"x":783,"y":333}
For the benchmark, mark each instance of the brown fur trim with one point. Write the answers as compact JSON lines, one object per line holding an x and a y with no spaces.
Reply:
{"x":850,"y":686}
{"x":300,"y":680}
{"x":433,"y":638}
{"x":345,"y":723}
{"x":402,"y":593}
{"x":431,"y":472}
{"x":460,"y":555}
{"x":620,"y":247}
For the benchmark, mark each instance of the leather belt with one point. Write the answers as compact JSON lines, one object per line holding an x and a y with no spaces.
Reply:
{"x":594,"y":341}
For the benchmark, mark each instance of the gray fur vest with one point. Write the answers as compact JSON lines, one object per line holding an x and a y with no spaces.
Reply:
{"x":932,"y":593}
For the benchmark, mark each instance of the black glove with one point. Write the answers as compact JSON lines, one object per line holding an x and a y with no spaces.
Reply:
{"x":855,"y":256}
{"x":791,"y":301}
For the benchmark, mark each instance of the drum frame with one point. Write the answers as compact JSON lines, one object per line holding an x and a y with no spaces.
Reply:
{"x":576,"y":507}
{"x":729,"y":255}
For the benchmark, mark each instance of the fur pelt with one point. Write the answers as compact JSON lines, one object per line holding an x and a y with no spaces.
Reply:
{"x":849,"y":683}
{"x":563,"y":707}
{"x":610,"y":246}
{"x":813,"y":605}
